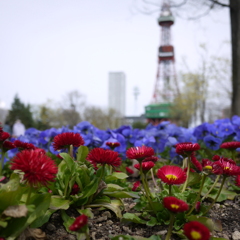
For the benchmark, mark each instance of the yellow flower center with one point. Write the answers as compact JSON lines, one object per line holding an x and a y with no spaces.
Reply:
{"x":195,"y":235}
{"x":171,"y":177}
{"x":226,"y":168}
{"x":208,"y":167}
{"x":175,"y":206}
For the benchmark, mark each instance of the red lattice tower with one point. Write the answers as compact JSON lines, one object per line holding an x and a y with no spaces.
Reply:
{"x":166,"y":86}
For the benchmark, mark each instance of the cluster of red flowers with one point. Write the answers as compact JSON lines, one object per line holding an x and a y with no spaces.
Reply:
{"x":38,"y":168}
{"x":65,"y":140}
{"x":23,"y":145}
{"x":103,"y":156}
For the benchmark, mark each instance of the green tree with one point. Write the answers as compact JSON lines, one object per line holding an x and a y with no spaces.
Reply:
{"x":20,"y":111}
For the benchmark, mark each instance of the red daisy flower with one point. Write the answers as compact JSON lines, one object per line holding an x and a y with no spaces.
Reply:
{"x":4,"y":136}
{"x":129,"y":170}
{"x":216,"y":158}
{"x":139,"y":153}
{"x":113,"y":145}
{"x":79,"y":222}
{"x":230,"y":145}
{"x":172,"y":175}
{"x":103,"y":156}
{"x":7,"y":145}
{"x":23,"y":145}
{"x":196,"y":231}
{"x":146,"y":166}
{"x":152,"y":159}
{"x":174,"y":204}
{"x":186,"y":148}
{"x":196,"y":163}
{"x":38,"y":168}
{"x":64,"y":140}
{"x":136,"y":185}
{"x":228,"y":167}
{"x":75,"y":189}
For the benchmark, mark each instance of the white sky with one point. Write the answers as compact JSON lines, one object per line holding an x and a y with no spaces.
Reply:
{"x":51,"y":47}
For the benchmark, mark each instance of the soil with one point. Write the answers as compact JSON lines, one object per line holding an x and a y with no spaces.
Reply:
{"x":105,"y":224}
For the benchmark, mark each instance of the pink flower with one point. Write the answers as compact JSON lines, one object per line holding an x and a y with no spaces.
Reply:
{"x":146,"y":166}
{"x":172,"y":175}
{"x":139,"y":153}
{"x":186,"y":148}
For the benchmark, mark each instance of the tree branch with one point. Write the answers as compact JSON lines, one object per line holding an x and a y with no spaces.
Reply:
{"x":179,"y":5}
{"x":219,"y":3}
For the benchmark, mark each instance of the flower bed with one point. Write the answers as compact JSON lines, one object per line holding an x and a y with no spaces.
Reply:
{"x":182,"y":172}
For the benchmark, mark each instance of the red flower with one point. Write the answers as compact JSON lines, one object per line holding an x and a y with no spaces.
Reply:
{"x":228,"y":167}
{"x":136,"y":185}
{"x":79,"y":222}
{"x":146,"y":166}
{"x":152,"y":159}
{"x":23,"y":145}
{"x":103,"y":156}
{"x":139,"y":153}
{"x":113,"y":145}
{"x":129,"y":170}
{"x":174,"y":204}
{"x":216,"y":157}
{"x":172,"y":175}
{"x":230,"y":145}
{"x":38,"y":168}
{"x":4,"y":136}
{"x":196,"y":231}
{"x":196,"y":163}
{"x":64,"y":140}
{"x":186,"y":148}
{"x":198,"y":206}
{"x":75,"y":189}
{"x":7,"y":145}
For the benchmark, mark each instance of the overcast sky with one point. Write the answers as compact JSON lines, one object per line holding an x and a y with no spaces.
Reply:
{"x":51,"y":47}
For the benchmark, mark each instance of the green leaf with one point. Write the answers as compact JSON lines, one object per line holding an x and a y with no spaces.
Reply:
{"x":193,"y":178}
{"x":121,"y":194}
{"x":113,"y":187}
{"x":116,"y":176}
{"x":115,"y":206}
{"x":131,"y":217}
{"x":90,"y":189}
{"x":3,"y":224}
{"x":87,"y":211}
{"x":58,"y":203}
{"x":152,"y":222}
{"x":204,"y":220}
{"x":41,"y":203}
{"x":69,"y":161}
{"x":42,"y":219}
{"x":82,"y":153}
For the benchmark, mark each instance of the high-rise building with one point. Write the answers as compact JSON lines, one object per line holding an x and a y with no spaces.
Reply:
{"x":116,"y":91}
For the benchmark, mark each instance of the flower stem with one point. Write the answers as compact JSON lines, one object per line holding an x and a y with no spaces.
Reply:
{"x":170,"y":189}
{"x":188,"y":171}
{"x":219,"y":191}
{"x":211,"y":188}
{"x":154,"y":181}
{"x":1,"y":163}
{"x":29,"y":194}
{"x":199,"y":194}
{"x":169,"y":233}
{"x":146,"y":188}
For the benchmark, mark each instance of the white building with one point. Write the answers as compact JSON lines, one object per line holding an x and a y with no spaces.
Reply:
{"x":116,"y":92}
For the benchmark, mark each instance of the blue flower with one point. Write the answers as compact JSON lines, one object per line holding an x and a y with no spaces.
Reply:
{"x":212,"y":142}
